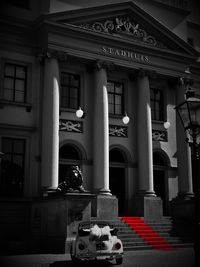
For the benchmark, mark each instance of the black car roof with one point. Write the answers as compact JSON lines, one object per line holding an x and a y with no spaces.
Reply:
{"x":93,"y":222}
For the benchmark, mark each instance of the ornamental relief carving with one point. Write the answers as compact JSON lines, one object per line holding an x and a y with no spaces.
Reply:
{"x":123,"y":26}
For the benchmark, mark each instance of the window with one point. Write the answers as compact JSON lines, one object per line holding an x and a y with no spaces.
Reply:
{"x":15,"y":83}
{"x":115,"y":97}
{"x":12,"y":167}
{"x":70,"y":90}
{"x":157,"y":104}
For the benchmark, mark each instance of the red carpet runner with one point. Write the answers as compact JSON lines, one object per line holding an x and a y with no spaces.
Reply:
{"x":149,"y":235}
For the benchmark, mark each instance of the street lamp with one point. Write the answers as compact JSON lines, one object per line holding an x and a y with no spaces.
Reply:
{"x":189,"y":114}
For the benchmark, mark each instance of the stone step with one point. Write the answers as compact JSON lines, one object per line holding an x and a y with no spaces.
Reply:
{"x":164,"y":227}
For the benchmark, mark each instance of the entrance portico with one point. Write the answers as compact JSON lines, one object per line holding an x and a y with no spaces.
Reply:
{"x":116,"y":43}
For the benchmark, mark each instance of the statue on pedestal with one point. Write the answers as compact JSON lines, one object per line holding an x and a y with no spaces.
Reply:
{"x":73,"y":181}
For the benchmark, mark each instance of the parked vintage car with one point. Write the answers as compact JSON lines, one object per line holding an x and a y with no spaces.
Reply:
{"x":97,"y":240}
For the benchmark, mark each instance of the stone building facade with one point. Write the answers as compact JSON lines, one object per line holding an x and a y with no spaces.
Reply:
{"x":116,"y":61}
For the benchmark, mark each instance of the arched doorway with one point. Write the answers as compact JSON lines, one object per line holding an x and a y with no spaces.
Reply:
{"x":68,"y":155}
{"x":117,"y":177}
{"x":160,"y":180}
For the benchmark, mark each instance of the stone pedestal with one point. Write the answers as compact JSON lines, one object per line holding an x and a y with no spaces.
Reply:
{"x":105,"y":207}
{"x":55,"y":219}
{"x":149,"y":207}
{"x":183,"y":208}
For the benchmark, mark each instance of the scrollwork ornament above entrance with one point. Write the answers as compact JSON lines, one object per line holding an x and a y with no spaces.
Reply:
{"x":123,"y":26}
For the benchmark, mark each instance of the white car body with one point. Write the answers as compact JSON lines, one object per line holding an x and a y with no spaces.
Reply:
{"x":97,"y":240}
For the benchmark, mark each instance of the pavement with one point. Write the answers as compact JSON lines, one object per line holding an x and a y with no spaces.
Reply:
{"x":183,"y":257}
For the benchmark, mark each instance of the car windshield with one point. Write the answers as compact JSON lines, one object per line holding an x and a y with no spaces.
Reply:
{"x":90,"y":224}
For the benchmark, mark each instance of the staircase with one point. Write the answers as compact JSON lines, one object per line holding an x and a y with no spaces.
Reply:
{"x":165,"y":234}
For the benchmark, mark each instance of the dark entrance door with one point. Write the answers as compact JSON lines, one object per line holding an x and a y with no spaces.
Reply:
{"x":159,"y":187}
{"x":117,"y":186}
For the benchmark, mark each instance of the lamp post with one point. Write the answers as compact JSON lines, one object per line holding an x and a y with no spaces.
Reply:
{"x":189,"y":114}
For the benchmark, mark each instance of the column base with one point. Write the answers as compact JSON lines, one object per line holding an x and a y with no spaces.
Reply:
{"x":105,"y":207}
{"x":103,"y":191}
{"x":148,"y":206}
{"x":46,"y":191}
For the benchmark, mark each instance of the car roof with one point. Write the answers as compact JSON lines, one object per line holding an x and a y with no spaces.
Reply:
{"x":100,"y":223}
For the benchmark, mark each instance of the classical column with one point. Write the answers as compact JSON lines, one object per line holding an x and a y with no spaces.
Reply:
{"x":101,"y":131}
{"x":50,"y":125}
{"x":183,"y":151}
{"x":145,"y":202}
{"x":145,"y":153}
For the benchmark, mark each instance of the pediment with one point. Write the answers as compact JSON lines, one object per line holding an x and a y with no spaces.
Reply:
{"x":124,"y":21}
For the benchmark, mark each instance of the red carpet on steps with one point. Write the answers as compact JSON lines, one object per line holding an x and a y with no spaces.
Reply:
{"x":149,"y":235}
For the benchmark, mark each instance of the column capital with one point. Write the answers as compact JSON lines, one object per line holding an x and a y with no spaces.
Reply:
{"x":141,"y":73}
{"x":101,"y":64}
{"x":52,"y":53}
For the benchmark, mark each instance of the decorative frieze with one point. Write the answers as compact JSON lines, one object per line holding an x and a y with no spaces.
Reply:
{"x":118,"y":131}
{"x":70,"y":126}
{"x":123,"y":26}
{"x":158,"y":135}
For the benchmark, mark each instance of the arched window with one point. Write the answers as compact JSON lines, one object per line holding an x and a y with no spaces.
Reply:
{"x":116,"y":155}
{"x":158,"y":159}
{"x":68,"y":155}
{"x":68,"y":152}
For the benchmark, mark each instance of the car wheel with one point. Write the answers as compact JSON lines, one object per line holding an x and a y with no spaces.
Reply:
{"x":119,"y":261}
{"x":75,"y":260}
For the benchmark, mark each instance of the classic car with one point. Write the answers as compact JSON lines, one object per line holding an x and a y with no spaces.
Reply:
{"x":96,"y":240}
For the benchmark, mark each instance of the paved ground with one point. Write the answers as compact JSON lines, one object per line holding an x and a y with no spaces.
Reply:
{"x":147,"y":258}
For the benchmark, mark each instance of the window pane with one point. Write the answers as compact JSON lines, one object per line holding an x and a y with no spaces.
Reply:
{"x":21,"y":72}
{"x":115,"y":97}
{"x":157,"y":95}
{"x":111,"y":108}
{"x":18,"y":160}
{"x":110,"y":87}
{"x":64,"y":92}
{"x":7,"y":145}
{"x":64,"y":102}
{"x":156,"y":104}
{"x":19,"y":96}
{"x":20,"y":85}
{"x":118,"y":109}
{"x":74,"y":93}
{"x":73,"y":103}
{"x":152,"y":93}
{"x":9,"y":70}
{"x":70,"y":84}
{"x":157,"y":115}
{"x":18,"y":146}
{"x":8,"y":83}
{"x":12,"y":174}
{"x":64,"y":79}
{"x":8,"y":95}
{"x":118,"y":88}
{"x":118,"y":100}
{"x":75,"y":80}
{"x":110,"y":99}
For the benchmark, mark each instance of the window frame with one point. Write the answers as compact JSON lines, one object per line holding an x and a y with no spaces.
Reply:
{"x":79,"y":98}
{"x":24,"y":154}
{"x":28,"y":90}
{"x":123,"y":97}
{"x":161,"y":110}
